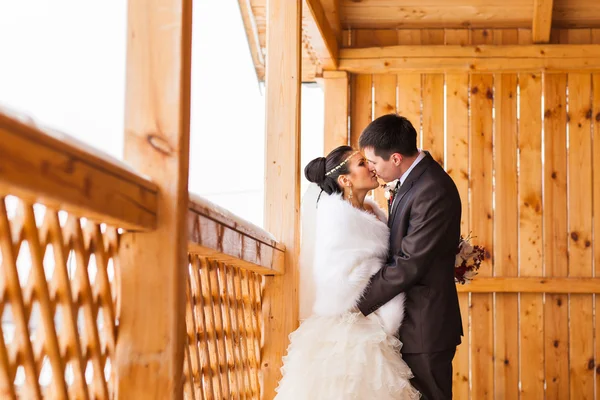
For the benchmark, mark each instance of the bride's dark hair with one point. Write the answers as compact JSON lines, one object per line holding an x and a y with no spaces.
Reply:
{"x":316,"y":169}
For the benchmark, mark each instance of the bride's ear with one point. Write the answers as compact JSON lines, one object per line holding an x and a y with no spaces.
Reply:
{"x":344,"y":181}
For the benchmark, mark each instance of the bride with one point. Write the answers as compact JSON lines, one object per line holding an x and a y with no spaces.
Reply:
{"x":337,"y":353}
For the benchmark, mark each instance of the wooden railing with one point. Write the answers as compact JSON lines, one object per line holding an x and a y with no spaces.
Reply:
{"x":59,"y":303}
{"x":61,"y":209}
{"x":227,"y":260}
{"x":63,"y":212}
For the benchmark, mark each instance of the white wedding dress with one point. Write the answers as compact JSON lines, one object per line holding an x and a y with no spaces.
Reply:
{"x":337,"y":353}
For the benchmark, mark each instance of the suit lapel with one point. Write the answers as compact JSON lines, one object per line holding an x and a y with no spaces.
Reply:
{"x":414,"y":176}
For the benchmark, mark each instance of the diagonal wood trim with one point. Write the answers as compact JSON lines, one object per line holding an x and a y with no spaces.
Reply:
{"x":322,"y":36}
{"x":542,"y":20}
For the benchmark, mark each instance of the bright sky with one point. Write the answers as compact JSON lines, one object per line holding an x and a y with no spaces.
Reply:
{"x":63,"y":62}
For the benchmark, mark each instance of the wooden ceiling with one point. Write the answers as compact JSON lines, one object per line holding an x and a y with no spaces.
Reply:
{"x":422,"y":14}
{"x":341,"y":16}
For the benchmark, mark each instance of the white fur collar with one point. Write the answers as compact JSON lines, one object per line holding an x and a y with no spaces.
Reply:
{"x":350,"y":245}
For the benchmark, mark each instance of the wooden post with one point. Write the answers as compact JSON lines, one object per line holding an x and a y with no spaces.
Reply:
{"x":336,"y":109}
{"x":282,"y":189}
{"x":154,"y":268}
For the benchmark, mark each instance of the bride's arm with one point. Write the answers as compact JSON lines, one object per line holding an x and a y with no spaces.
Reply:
{"x":341,"y":289}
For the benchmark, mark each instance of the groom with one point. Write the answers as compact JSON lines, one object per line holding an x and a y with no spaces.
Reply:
{"x":424,"y":226}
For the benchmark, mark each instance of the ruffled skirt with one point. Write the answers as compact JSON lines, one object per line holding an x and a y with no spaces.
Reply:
{"x":346,"y":357}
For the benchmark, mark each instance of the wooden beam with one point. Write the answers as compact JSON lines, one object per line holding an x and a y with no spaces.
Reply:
{"x":542,"y":20}
{"x":282,"y":189}
{"x":154,"y":265}
{"x":332,"y":11}
{"x":321,"y":36}
{"x":216,"y":233}
{"x":40,"y":165}
{"x":336,"y":109}
{"x":531,"y":285}
{"x":442,"y":52}
{"x":253,"y":36}
{"x":474,"y":58}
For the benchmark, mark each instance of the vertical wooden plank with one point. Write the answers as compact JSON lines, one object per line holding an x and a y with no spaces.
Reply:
{"x":432,"y":138}
{"x":577,"y":36}
{"x":525,"y":36}
{"x":362,"y":106}
{"x":481,"y":157}
{"x":384,"y":85}
{"x":384,"y":88}
{"x":506,"y":338}
{"x":457,"y":165}
{"x":336,"y":109}
{"x":531,"y":313}
{"x":282,"y":189}
{"x":556,"y":321}
{"x":596,"y":201}
{"x":580,"y":234}
{"x":432,"y":36}
{"x":375,"y":37}
{"x":408,"y":100}
{"x":157,"y":116}
{"x":364,"y":85}
{"x":409,"y":36}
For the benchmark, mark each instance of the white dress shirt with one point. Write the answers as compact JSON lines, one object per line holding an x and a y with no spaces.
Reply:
{"x":413,"y":165}
{"x":407,"y":172}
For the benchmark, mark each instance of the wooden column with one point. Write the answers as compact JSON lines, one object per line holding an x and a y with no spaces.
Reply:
{"x":282,"y":189}
{"x":336,"y":109}
{"x":154,"y":264}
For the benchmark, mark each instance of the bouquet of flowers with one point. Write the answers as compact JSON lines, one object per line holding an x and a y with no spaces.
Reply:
{"x":468,"y":260}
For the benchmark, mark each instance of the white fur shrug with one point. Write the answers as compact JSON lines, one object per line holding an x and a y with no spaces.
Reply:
{"x":350,"y":246}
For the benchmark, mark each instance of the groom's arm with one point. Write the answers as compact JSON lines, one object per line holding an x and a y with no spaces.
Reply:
{"x":431,"y":216}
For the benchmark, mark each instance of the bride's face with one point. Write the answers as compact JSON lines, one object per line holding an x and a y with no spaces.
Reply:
{"x":360,"y":176}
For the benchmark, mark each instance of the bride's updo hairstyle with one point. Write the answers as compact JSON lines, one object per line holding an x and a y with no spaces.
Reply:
{"x":316,"y":170}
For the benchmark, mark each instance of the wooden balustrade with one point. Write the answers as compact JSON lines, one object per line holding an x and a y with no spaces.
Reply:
{"x":60,"y":209}
{"x":60,"y":292}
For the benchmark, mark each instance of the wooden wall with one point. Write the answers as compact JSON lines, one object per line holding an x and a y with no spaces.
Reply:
{"x":522,"y":149}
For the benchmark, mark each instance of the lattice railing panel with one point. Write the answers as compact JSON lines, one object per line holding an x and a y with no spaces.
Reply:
{"x":223,"y":320}
{"x":58,"y":303}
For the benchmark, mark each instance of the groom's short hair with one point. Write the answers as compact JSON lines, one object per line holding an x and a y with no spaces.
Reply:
{"x":389,"y":134}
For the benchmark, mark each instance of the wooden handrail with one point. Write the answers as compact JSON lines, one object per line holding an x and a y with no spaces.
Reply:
{"x":536,"y":284}
{"x":42,"y":165}
{"x":216,"y":233}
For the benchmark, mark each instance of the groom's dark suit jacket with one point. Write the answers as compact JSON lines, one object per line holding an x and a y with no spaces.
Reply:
{"x":425,"y":232}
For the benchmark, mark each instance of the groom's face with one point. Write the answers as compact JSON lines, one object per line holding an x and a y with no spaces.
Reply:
{"x":386,"y":170}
